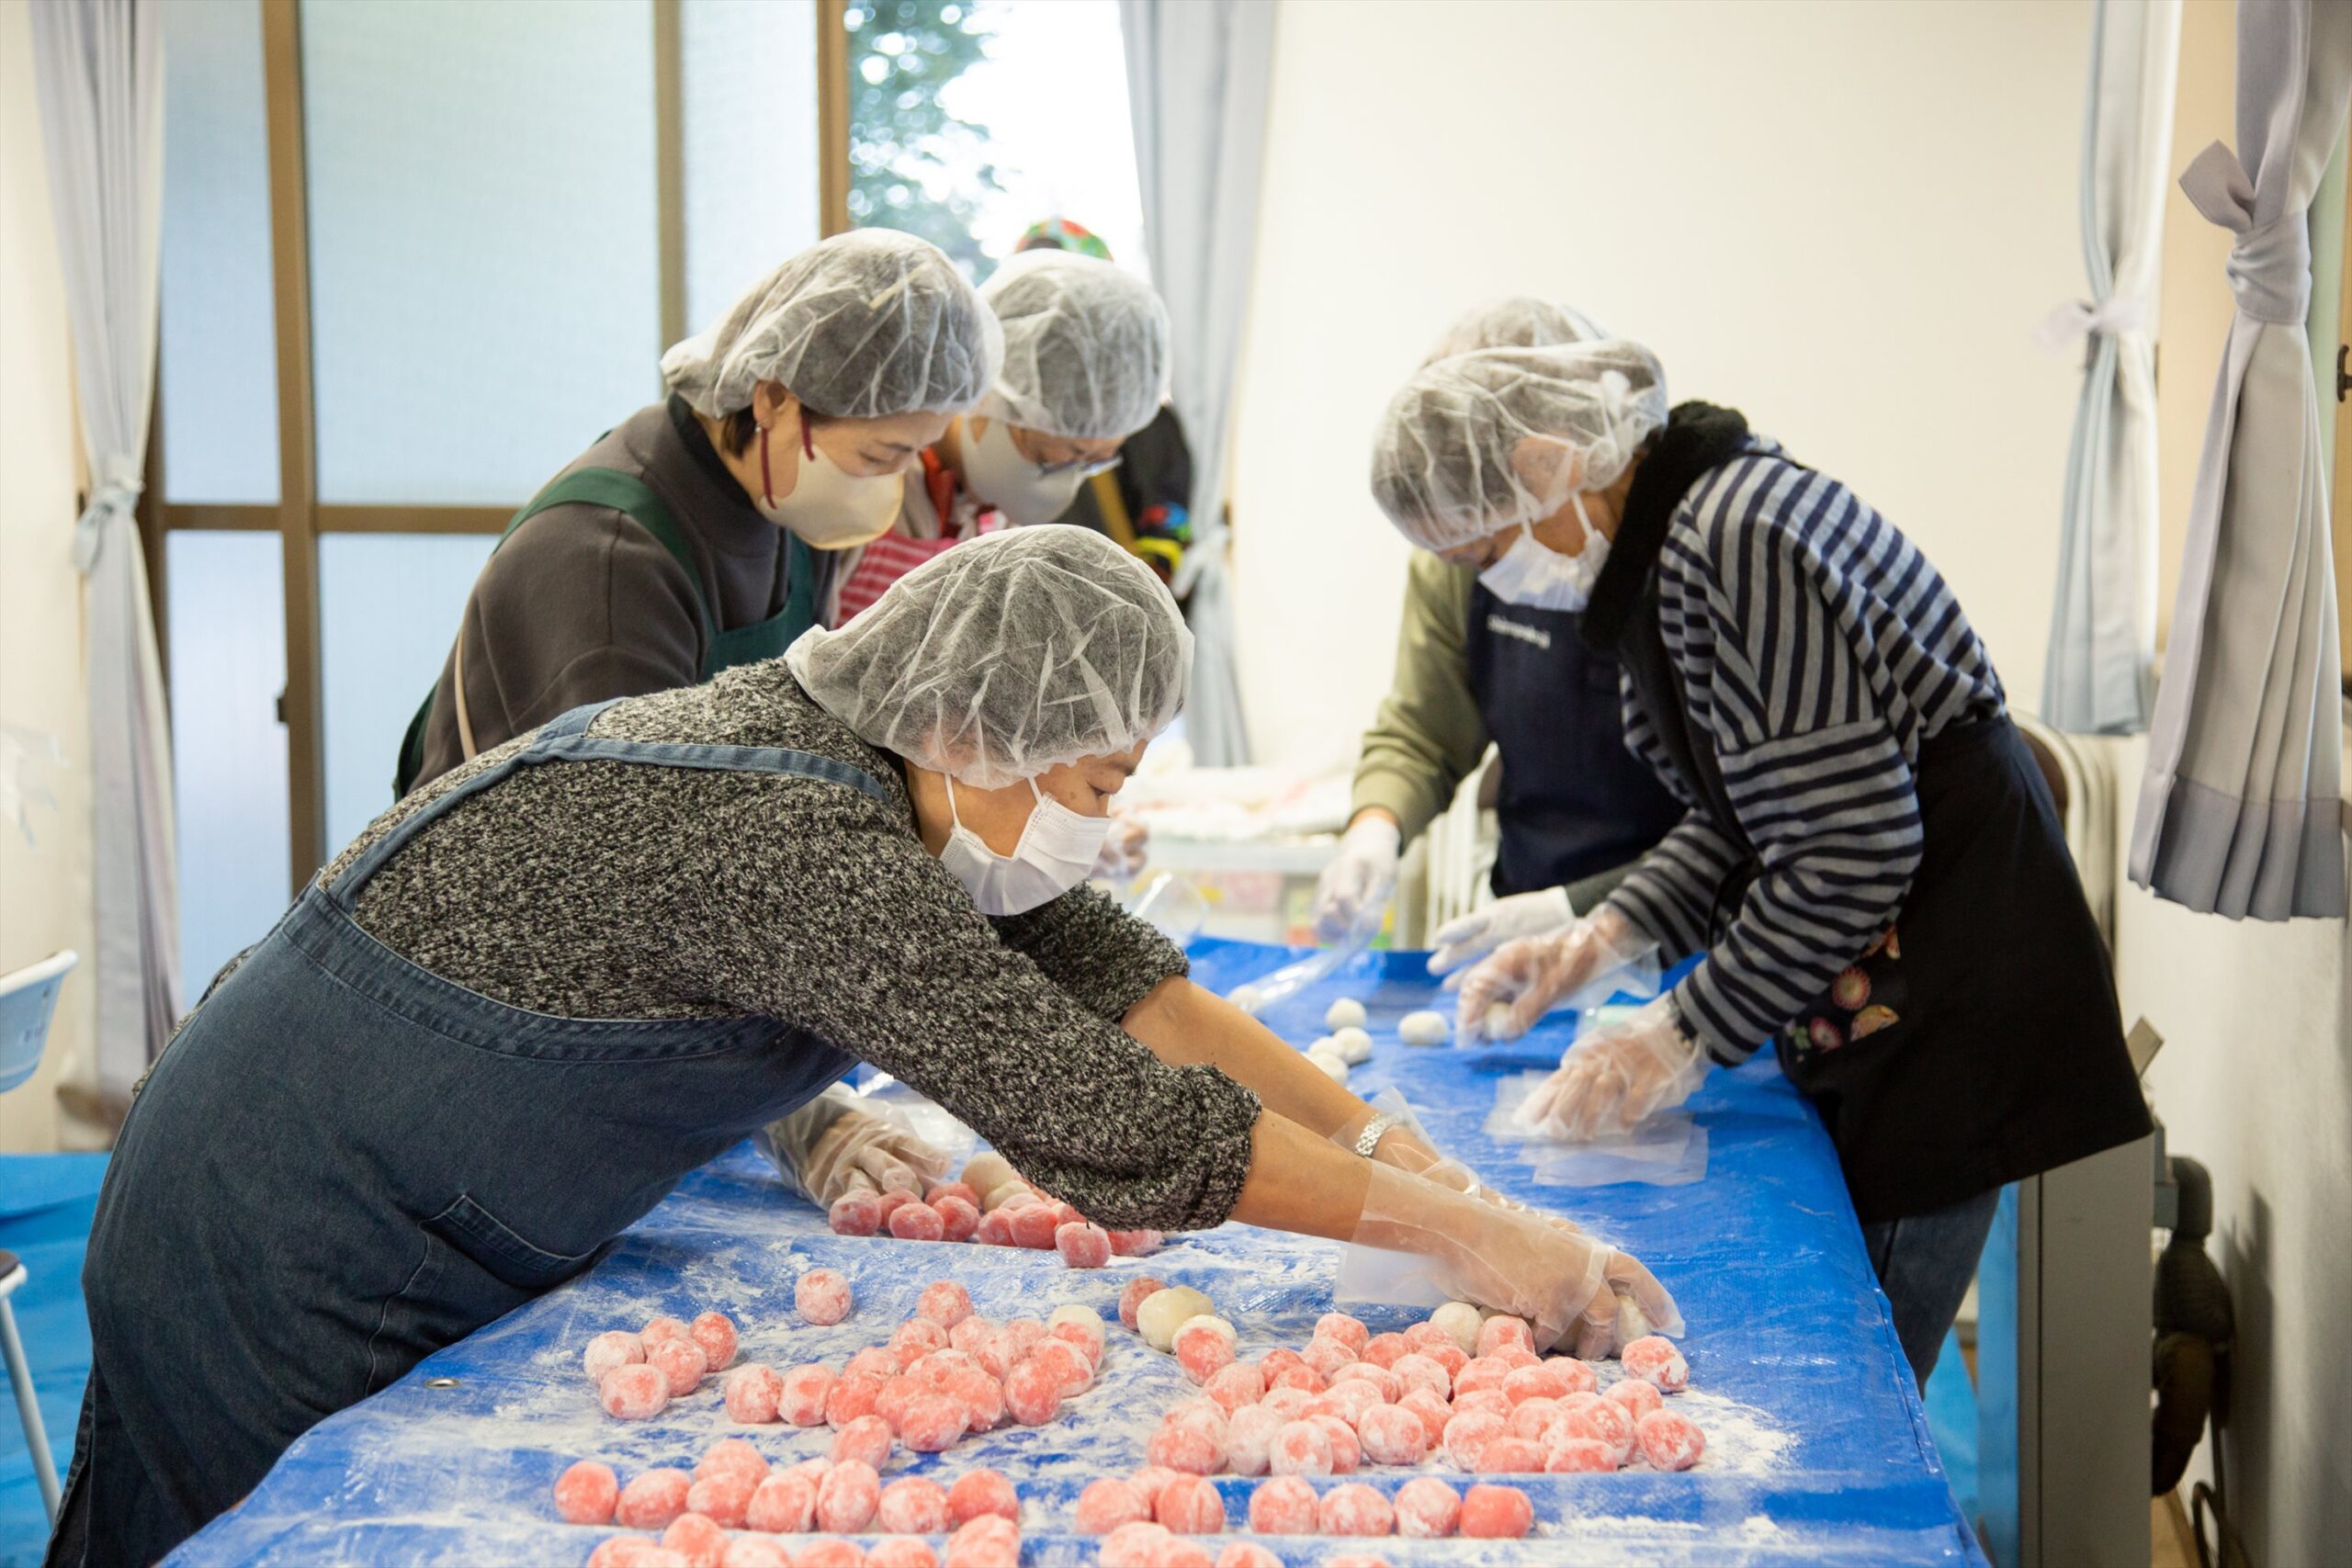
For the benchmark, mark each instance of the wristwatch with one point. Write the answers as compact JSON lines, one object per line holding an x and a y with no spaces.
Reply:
{"x":1373,"y":1131}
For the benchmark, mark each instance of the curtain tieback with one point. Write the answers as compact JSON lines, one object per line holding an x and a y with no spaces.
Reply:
{"x":115,"y":495}
{"x":2270,"y":265}
{"x":2080,"y":319}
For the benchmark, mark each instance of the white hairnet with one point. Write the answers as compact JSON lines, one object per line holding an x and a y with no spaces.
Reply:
{"x":1522,"y":321}
{"x":1499,"y":436}
{"x":1086,"y":346}
{"x":1010,"y":654}
{"x":863,"y":325}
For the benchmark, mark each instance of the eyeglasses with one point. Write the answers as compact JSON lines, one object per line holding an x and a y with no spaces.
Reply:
{"x":1086,"y":468}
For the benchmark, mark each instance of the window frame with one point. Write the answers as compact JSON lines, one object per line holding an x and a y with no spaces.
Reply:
{"x":298,"y":517}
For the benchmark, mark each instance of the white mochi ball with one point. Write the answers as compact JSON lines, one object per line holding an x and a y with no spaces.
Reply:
{"x":1345,"y":1013}
{"x":1423,"y":1027}
{"x":1163,"y":1312}
{"x":1460,"y":1319}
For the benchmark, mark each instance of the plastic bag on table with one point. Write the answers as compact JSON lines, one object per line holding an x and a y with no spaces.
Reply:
{"x":1171,"y":904}
{"x":1286,"y":982}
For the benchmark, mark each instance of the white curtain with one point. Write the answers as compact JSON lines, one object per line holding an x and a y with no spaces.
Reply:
{"x":1197,"y":75}
{"x":2241,"y":810}
{"x":2103,"y":630}
{"x":99,"y":64}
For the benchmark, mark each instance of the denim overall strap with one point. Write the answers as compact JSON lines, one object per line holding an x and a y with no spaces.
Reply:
{"x":565,"y":738}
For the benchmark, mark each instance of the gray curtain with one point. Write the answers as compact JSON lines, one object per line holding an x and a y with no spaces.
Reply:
{"x":2103,"y":628}
{"x":100,"y":65}
{"x":1197,"y":75}
{"x":2241,"y":811}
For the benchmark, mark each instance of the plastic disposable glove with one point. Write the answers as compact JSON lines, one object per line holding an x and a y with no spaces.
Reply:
{"x":1481,"y":932}
{"x":1507,"y":992}
{"x":1614,"y":1078}
{"x":1408,"y":1146}
{"x":1123,"y":850}
{"x":836,"y":1144}
{"x":1356,"y":884}
{"x":1565,"y":1285}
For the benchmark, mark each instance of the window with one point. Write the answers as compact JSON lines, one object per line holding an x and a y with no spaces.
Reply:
{"x":483,"y":253}
{"x":971,"y":120}
{"x":386,"y":324}
{"x":487,"y":225}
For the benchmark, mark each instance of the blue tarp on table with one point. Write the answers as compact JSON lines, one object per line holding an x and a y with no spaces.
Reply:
{"x":1821,"y":1451}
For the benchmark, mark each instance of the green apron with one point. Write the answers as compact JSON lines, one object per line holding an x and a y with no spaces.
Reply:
{"x":630,"y":495}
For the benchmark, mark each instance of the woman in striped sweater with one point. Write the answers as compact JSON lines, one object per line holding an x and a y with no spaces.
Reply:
{"x":1869,"y":862}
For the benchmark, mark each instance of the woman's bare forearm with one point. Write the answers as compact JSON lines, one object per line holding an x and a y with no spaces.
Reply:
{"x":1185,"y":1025}
{"x":1300,"y":1182}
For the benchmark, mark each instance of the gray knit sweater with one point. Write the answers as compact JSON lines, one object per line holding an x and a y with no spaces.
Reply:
{"x":605,"y":889}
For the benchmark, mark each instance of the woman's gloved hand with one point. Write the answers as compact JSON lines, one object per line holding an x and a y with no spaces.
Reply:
{"x":1406,"y":1145}
{"x":1614,"y":1078}
{"x":1355,"y":887}
{"x":1506,"y":993}
{"x":1565,"y":1284}
{"x":1122,"y":854}
{"x":1481,"y":932}
{"x":835,"y":1144}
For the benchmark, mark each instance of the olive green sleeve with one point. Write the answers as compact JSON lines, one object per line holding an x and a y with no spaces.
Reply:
{"x":1428,"y":734}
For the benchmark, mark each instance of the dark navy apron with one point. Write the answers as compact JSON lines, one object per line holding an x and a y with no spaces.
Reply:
{"x":342,"y":1163}
{"x":1977,"y":1041}
{"x":625,"y":493}
{"x":1575,"y":802}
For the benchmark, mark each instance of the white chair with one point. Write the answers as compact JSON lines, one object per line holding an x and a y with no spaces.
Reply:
{"x":28,"y":998}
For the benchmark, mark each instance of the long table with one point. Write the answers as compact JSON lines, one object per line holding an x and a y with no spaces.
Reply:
{"x":1819,"y":1449}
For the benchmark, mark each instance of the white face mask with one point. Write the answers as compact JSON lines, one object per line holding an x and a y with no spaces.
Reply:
{"x":1000,"y":476}
{"x":831,"y":508}
{"x":1056,"y":852}
{"x":1532,"y":574}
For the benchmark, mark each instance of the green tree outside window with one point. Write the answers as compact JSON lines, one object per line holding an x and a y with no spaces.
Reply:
{"x":901,"y":53}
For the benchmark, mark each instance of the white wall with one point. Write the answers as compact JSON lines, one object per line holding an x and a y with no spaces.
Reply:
{"x":1847,"y":220}
{"x":44,"y":886}
{"x":2256,"y":1077}
{"x":2255,"y":1082}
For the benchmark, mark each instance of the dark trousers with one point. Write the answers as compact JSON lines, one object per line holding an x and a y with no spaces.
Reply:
{"x":1924,"y":1265}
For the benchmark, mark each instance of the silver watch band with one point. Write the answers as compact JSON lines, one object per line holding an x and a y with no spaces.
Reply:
{"x":1373,"y":1131}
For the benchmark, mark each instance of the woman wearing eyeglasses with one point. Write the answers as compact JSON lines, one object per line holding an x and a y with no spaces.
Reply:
{"x":706,"y":530}
{"x":1086,"y":349}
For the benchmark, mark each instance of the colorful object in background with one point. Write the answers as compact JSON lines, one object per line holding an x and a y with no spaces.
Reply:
{"x":1062,"y":234}
{"x":1162,"y":532}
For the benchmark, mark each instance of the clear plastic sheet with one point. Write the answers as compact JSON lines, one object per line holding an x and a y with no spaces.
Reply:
{"x":1667,"y":1150}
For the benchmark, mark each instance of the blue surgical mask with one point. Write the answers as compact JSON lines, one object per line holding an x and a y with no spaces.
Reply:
{"x":1532,"y":574}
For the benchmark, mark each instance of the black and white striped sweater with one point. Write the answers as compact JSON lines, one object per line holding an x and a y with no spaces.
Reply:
{"x":1817,"y":650}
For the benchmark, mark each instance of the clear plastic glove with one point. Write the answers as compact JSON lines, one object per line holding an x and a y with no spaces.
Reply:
{"x":1122,"y":854}
{"x":1565,"y":1285}
{"x":1507,"y":992}
{"x":837,"y":1144}
{"x":1408,"y":1146}
{"x":1614,"y":1078}
{"x":1355,"y":887}
{"x":1481,"y":932}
